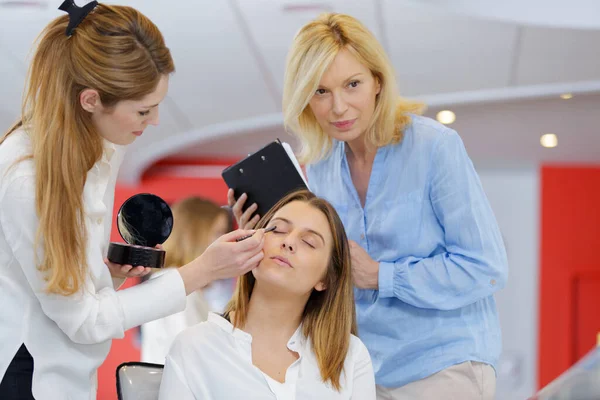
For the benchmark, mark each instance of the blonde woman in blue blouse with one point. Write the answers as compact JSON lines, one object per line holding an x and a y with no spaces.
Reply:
{"x":427,"y":255}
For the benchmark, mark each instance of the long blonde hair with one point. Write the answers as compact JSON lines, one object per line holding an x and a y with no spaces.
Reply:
{"x":314,"y":48}
{"x":193,"y":218}
{"x":118,"y":52}
{"x":329,"y":316}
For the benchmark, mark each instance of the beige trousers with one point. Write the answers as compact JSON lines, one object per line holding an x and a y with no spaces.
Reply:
{"x":467,"y":381}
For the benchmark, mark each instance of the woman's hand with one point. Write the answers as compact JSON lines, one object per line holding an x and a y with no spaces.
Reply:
{"x":365,"y":270}
{"x":123,"y":271}
{"x":224,"y":258}
{"x":242,"y":218}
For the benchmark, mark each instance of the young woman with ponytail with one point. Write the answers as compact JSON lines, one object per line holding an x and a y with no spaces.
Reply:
{"x":94,"y":84}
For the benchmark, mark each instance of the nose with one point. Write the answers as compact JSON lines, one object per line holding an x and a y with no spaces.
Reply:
{"x":339,"y":104}
{"x":287,"y":245}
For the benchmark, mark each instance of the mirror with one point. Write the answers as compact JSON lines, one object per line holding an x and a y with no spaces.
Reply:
{"x":144,"y":220}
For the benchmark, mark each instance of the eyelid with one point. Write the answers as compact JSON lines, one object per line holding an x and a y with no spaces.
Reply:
{"x":309,"y":244}
{"x":312,"y":237}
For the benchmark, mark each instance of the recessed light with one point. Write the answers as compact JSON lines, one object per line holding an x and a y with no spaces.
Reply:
{"x":566,"y":96}
{"x":446,"y":117}
{"x":549,"y":140}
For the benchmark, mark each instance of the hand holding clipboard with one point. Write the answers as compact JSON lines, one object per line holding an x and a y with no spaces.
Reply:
{"x":262,"y":178}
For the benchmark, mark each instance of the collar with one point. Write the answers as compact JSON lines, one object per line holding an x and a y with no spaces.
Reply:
{"x":109,"y":151}
{"x":295,"y":343}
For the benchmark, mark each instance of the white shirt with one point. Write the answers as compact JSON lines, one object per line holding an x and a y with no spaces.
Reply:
{"x":157,"y":336}
{"x":213,"y":361}
{"x":67,"y":336}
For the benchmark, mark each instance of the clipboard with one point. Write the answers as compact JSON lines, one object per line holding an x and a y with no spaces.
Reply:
{"x":265,"y":176}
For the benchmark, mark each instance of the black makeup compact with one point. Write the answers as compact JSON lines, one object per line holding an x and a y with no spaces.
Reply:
{"x":144,"y":220}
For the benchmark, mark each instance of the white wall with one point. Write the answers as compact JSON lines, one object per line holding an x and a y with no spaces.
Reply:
{"x":514,"y":196}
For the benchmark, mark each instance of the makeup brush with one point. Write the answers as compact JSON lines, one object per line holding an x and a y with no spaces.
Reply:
{"x":271,"y":229}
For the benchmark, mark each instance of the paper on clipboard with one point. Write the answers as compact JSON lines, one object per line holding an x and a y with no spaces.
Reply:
{"x":290,"y":153}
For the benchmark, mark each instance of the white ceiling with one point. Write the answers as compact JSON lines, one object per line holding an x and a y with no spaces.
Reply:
{"x":500,"y":71}
{"x":581,"y":14}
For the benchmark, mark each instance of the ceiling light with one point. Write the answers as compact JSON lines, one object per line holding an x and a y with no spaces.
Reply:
{"x":315,"y":7}
{"x":566,"y":96}
{"x":446,"y":117}
{"x":549,"y":140}
{"x":23,"y":4}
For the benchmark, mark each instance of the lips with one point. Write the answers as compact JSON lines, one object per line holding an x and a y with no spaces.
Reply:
{"x":347,"y":124}
{"x":138,"y":133}
{"x":284,"y":262}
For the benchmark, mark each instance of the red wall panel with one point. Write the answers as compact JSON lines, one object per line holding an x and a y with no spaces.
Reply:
{"x":570,"y":235}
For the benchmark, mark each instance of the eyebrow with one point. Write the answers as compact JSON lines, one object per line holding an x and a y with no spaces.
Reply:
{"x":149,"y":107}
{"x":348,"y":79}
{"x":287,"y":221}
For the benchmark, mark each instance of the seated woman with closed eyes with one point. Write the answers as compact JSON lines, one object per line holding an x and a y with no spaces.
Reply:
{"x":288,"y":332}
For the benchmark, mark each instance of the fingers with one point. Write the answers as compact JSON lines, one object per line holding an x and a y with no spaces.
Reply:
{"x":136,"y":272}
{"x":124,"y":269}
{"x":251,"y":244}
{"x":252,"y":223}
{"x":237,"y":206}
{"x":246,"y":216}
{"x":230,"y":198}
{"x":259,"y":235}
{"x":244,"y":219}
{"x":252,"y":262}
{"x":127,"y":270}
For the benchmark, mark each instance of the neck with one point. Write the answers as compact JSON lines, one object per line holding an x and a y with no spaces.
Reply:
{"x":359,"y":151}
{"x":273,"y":312}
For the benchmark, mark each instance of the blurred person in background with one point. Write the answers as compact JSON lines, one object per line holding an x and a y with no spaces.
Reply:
{"x":197,"y":223}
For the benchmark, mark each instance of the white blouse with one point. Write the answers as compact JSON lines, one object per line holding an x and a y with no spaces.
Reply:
{"x":68,"y":336}
{"x":213,"y":361}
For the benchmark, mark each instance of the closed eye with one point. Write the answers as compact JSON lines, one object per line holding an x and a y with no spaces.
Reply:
{"x":144,"y":113}
{"x":308,"y":244}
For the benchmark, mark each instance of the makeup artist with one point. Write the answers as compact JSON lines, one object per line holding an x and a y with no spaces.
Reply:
{"x":427,"y":255}
{"x":96,"y":79}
